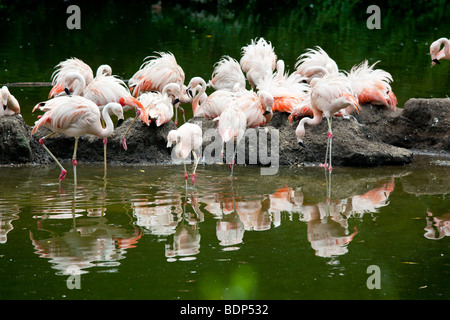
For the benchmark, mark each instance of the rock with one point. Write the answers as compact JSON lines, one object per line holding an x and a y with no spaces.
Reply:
{"x":377,"y":136}
{"x":146,"y":145}
{"x":16,"y":146}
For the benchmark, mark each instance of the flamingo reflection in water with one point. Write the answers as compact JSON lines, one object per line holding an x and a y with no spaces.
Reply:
{"x":437,"y":227}
{"x":91,"y":241}
{"x":186,"y":239}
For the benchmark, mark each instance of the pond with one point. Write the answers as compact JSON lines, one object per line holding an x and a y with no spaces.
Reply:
{"x":358,"y":233}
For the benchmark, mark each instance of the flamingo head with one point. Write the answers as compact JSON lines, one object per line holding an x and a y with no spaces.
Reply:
{"x":172,"y":138}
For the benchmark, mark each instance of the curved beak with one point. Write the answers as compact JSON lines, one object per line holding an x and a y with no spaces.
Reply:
{"x":4,"y":106}
{"x":67,"y":91}
{"x":301,"y":144}
{"x":189,"y":92}
{"x":119,"y":123}
{"x":434,"y":61}
{"x":175,"y":101}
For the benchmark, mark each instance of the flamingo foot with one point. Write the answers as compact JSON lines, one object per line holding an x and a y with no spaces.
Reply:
{"x":124,"y":143}
{"x":62,"y":176}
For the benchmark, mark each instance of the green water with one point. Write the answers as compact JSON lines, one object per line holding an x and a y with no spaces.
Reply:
{"x":141,"y":235}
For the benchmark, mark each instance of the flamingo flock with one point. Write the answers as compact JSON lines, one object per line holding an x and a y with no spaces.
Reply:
{"x":79,"y":103}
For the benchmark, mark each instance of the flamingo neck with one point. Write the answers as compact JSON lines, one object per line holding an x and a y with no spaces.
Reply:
{"x":78,"y":91}
{"x":445,"y":52}
{"x":196,"y":100}
{"x":109,"y":128}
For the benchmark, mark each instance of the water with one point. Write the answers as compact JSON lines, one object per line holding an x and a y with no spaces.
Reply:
{"x":295,"y":235}
{"x":142,"y":235}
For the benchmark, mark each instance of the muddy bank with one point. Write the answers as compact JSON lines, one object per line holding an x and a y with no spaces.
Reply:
{"x":377,"y":136}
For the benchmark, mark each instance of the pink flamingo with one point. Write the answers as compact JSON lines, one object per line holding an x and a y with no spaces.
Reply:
{"x":227,"y":73}
{"x":209,"y":106}
{"x":9,"y":104}
{"x":155,"y":73}
{"x":328,"y":95}
{"x":258,"y":59}
{"x":436,"y":53}
{"x":75,"y":116}
{"x":256,"y":106}
{"x":68,"y":66}
{"x":104,"y":89}
{"x":231,"y":126}
{"x":159,"y":105}
{"x":372,"y":86}
{"x":187,"y":138}
{"x":315,"y":63}
{"x":287,"y":90}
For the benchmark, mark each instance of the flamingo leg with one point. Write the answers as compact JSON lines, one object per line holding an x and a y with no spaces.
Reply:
{"x":124,"y":142}
{"x":197,"y":159}
{"x":105,"y":142}
{"x":330,"y":139}
{"x":63,"y":171}
{"x":74,"y":160}
{"x":232,"y":160}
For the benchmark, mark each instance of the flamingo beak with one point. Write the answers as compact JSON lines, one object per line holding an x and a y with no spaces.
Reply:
{"x":175,"y":101}
{"x":67,"y":91}
{"x":4,"y":107}
{"x":301,"y":144}
{"x":119,"y":123}
{"x":189,"y":92}
{"x":266,"y":112}
{"x":435,"y":61}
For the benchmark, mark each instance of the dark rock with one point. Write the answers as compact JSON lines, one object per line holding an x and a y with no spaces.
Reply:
{"x":377,"y":136}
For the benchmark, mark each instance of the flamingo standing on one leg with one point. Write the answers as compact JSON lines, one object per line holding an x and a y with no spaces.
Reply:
{"x":232,"y":125}
{"x":328,"y":95}
{"x":187,"y":138}
{"x":9,"y":104}
{"x":75,"y":116}
{"x":436,"y":53}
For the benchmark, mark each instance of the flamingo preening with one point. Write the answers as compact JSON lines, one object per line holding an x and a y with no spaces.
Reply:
{"x":9,"y":104}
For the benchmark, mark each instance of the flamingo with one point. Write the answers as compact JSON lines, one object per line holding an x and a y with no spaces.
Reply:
{"x":436,"y":53}
{"x":70,"y":65}
{"x":75,"y":116}
{"x":227,"y":73}
{"x":328,"y":95}
{"x":209,"y":106}
{"x":258,"y":59}
{"x":256,"y":106}
{"x":231,"y":126}
{"x":372,"y":86}
{"x":155,"y":73}
{"x":159,"y":106}
{"x":104,"y":89}
{"x":187,"y":138}
{"x":9,"y":104}
{"x":287,"y":90}
{"x":315,"y":63}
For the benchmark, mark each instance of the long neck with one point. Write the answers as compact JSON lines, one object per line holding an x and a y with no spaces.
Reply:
{"x":196,"y":100}
{"x":109,"y":128}
{"x":312,"y":121}
{"x":444,"y":53}
{"x":78,"y":91}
